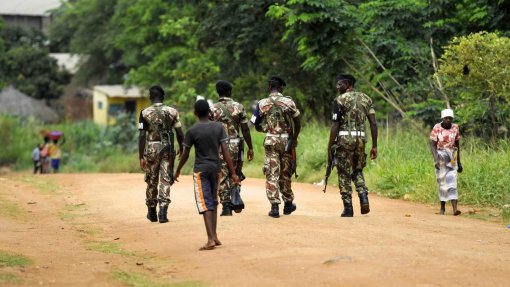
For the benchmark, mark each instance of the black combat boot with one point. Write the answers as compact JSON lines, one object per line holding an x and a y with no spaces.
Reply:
{"x":363,"y":202}
{"x":348,"y":212}
{"x":227,"y":209}
{"x":289,"y":208}
{"x":163,"y":214}
{"x":274,"y":210}
{"x":152,"y":215}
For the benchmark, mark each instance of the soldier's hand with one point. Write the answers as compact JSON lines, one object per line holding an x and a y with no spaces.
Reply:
{"x":143,"y":164}
{"x":235,"y":179}
{"x":373,"y":153}
{"x":250,"y":154}
{"x":176,"y":176}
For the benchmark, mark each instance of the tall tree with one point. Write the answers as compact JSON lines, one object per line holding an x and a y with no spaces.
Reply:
{"x":476,"y":71}
{"x":26,"y":64}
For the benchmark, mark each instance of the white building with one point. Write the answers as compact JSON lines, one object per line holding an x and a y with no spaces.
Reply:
{"x":34,"y":14}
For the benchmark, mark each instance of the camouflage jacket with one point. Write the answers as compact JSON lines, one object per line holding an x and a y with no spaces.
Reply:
{"x":232,"y":122}
{"x":158,"y":121}
{"x":351,"y":109}
{"x":277,"y":124}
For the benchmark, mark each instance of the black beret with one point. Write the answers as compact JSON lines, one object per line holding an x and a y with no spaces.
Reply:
{"x":347,"y":77}
{"x":223,"y":84}
{"x":156,"y":91}
{"x":277,"y":79}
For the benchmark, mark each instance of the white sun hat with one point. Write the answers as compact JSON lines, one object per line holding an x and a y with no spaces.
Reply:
{"x":447,"y":113}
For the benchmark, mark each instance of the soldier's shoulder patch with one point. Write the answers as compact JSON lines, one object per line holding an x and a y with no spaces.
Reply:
{"x":238,"y":105}
{"x":146,"y":110}
{"x":264,"y":104}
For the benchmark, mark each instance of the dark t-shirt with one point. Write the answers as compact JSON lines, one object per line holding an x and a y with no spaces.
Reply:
{"x":206,"y":137}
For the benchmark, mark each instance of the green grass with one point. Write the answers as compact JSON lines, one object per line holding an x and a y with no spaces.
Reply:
{"x":108,"y":247}
{"x":10,"y":260}
{"x":10,"y":209}
{"x":69,"y":211}
{"x":8,"y":278}
{"x":44,"y":185}
{"x":141,"y":280}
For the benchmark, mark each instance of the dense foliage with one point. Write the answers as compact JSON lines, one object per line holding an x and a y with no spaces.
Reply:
{"x":390,"y":46}
{"x":482,"y":88}
{"x":25,"y":63}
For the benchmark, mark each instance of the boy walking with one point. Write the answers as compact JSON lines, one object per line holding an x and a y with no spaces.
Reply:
{"x":207,"y":137}
{"x":36,"y":158}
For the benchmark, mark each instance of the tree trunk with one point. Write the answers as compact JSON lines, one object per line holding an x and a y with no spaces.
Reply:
{"x":492,"y":108}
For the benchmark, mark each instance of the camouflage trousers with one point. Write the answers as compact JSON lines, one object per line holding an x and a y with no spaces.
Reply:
{"x":226,"y":184}
{"x":350,"y":159}
{"x":157,"y":176}
{"x":278,"y":171}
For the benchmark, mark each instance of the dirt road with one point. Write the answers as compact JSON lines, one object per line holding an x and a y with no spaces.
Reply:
{"x":90,"y":230}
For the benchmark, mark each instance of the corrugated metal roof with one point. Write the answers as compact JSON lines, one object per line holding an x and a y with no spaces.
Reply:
{"x":119,"y":91}
{"x":27,"y":7}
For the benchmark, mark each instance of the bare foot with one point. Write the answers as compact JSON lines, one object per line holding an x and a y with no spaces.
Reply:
{"x":217,"y":241}
{"x":208,"y":246}
{"x":457,"y":212}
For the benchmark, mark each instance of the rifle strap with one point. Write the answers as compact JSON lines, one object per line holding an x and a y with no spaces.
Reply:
{"x":286,"y":115}
{"x":228,"y":115}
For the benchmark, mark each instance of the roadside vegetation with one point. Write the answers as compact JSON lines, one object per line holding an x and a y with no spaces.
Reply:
{"x":404,"y":168}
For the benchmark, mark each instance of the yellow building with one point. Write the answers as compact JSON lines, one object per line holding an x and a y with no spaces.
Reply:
{"x":109,"y":101}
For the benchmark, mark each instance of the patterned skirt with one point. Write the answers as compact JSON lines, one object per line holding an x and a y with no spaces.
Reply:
{"x":446,"y":176}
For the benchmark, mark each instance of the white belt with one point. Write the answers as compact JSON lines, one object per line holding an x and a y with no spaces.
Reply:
{"x":352,"y":133}
{"x":284,"y":135}
{"x":153,"y":142}
{"x":235,"y":140}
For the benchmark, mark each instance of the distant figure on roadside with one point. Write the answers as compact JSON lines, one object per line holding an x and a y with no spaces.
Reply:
{"x":278,"y":117}
{"x":156,"y":152}
{"x":208,"y":137}
{"x":36,"y":158}
{"x":55,"y":154}
{"x":347,"y":139}
{"x":232,"y":116}
{"x":445,"y":145}
{"x":45,"y":155}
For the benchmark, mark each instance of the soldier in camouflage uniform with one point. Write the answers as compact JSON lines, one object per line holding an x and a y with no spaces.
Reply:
{"x":232,"y":116}
{"x":346,"y":147}
{"x":278,"y":117}
{"x":156,"y":152}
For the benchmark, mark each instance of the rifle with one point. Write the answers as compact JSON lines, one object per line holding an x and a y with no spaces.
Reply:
{"x":240,"y":160}
{"x":328,"y":173}
{"x":290,"y":148}
{"x":329,"y":167}
{"x":169,"y":152}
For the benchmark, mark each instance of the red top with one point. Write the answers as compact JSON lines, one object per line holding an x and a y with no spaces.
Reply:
{"x":445,"y":138}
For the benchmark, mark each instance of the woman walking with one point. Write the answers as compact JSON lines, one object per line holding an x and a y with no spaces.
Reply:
{"x":444,"y":142}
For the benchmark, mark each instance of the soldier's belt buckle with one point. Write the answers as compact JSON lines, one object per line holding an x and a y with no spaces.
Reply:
{"x":352,"y":133}
{"x":284,"y":135}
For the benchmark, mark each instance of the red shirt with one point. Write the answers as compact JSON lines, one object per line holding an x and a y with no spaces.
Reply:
{"x":445,"y":138}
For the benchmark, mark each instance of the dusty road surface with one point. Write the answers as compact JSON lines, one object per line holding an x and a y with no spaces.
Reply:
{"x":91,"y":230}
